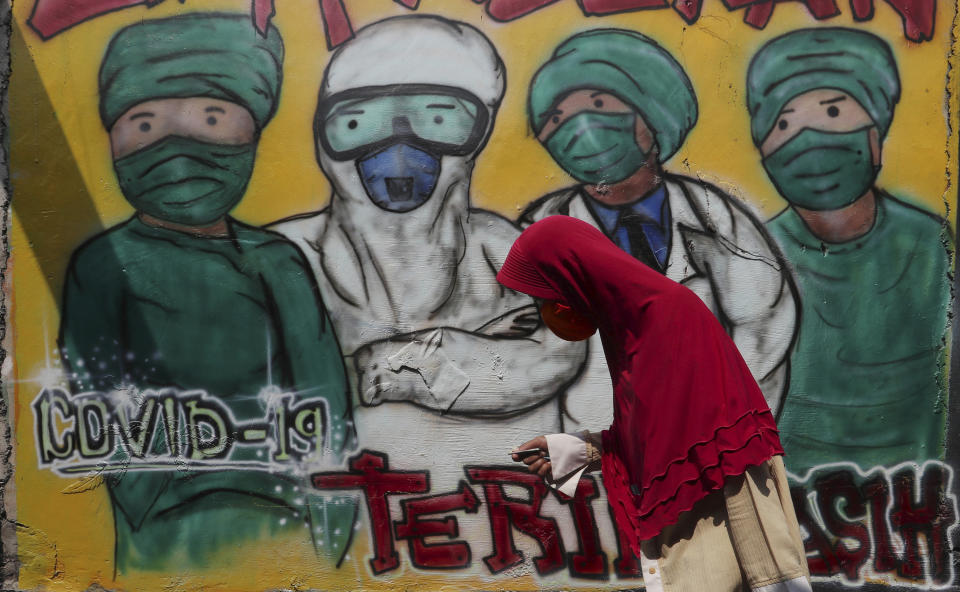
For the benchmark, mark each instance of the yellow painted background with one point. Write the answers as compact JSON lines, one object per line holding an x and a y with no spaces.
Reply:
{"x":66,"y":541}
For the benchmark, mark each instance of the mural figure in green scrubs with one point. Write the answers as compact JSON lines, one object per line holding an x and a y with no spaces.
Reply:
{"x":183,"y":296}
{"x":867,"y":382}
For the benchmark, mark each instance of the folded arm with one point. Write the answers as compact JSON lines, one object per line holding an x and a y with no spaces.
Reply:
{"x":754,"y":293}
{"x":461,"y":372}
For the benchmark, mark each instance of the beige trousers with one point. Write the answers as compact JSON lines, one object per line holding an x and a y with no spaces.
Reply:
{"x":744,"y":537}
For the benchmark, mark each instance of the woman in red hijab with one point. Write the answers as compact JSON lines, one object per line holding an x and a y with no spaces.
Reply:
{"x":691,"y":462}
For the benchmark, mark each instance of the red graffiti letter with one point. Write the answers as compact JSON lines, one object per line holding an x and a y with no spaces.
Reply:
{"x":50,"y":17}
{"x":590,"y":561}
{"x":627,"y":564}
{"x":336,"y":23}
{"x":263,"y":11}
{"x":524,"y":515}
{"x":932,"y":517}
{"x":839,"y":487}
{"x":591,"y":7}
{"x":825,"y":562}
{"x":918,"y":16}
{"x":877,"y":493}
{"x":369,"y":472}
{"x":759,"y":12}
{"x":508,"y":10}
{"x":688,"y":9}
{"x":412,"y":528}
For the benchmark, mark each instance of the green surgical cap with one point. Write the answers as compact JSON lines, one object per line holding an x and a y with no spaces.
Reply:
{"x":626,"y":64}
{"x":855,"y":62}
{"x":222,"y":56}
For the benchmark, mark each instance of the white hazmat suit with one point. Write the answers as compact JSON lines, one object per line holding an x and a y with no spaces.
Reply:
{"x":450,"y":368}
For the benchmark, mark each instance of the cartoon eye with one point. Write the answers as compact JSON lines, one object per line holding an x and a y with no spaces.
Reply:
{"x":556,"y":119}
{"x":352,"y":124}
{"x":438,"y":119}
{"x":598,"y":103}
{"x":144,"y":127}
{"x":211,"y":120}
{"x":783,"y":124}
{"x":833,"y":111}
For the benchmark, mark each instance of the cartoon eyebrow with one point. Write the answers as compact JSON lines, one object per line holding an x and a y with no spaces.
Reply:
{"x":218,"y":109}
{"x":785,"y":111}
{"x":550,"y":114}
{"x":834,"y":100}
{"x":338,"y":113}
{"x":141,"y":114}
{"x":441,"y":106}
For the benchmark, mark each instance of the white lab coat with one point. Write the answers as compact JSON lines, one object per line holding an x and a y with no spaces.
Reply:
{"x":720,"y":250}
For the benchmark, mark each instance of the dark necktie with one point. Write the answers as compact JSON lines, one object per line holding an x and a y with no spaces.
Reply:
{"x":639,"y":245}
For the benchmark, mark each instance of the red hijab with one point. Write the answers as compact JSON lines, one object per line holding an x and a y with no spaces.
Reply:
{"x":687,"y":411}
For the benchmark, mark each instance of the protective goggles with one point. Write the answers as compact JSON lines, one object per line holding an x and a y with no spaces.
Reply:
{"x":438,"y":119}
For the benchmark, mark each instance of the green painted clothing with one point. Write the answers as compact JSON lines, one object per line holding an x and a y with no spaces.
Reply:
{"x":867,"y":371}
{"x":156,"y":308}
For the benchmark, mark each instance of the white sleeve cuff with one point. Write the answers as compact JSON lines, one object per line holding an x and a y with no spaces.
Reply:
{"x":801,"y":584}
{"x":568,"y":460}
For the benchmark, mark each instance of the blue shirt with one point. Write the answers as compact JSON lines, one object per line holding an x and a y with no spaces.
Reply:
{"x":654,"y":208}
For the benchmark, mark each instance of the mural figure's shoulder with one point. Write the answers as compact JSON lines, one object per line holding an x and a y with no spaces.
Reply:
{"x":495,"y":233}
{"x":915,"y":217}
{"x":715,"y":209}
{"x":782,"y":224}
{"x":551,"y":204}
{"x":307,"y":227}
{"x":493,"y":224}
{"x":914,"y":235}
{"x":263,"y":239}
{"x":780,"y":217}
{"x":105,"y":253}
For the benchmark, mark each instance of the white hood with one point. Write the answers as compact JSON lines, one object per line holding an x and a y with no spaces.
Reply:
{"x":414,"y":254}
{"x":418,"y":50}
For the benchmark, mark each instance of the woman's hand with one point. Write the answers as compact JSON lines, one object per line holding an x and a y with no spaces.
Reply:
{"x":536,"y":463}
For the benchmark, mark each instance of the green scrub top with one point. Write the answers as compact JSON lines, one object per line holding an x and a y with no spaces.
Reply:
{"x":158,"y":308}
{"x":867,"y":370}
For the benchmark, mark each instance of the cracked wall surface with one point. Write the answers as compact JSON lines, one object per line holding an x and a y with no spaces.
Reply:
{"x":7,"y":491}
{"x":253,"y":338}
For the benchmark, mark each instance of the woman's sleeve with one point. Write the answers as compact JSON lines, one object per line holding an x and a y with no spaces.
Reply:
{"x":594,"y":441}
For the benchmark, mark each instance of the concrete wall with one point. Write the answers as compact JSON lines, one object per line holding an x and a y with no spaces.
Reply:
{"x":197,"y":403}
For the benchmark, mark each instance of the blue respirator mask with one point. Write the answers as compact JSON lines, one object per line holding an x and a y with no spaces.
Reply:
{"x":397,"y":136}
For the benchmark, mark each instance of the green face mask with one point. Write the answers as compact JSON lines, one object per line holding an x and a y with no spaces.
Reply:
{"x":186,"y":181}
{"x":820,"y":170}
{"x":597,"y":147}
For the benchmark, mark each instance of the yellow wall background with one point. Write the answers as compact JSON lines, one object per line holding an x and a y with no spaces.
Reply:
{"x":66,"y":543}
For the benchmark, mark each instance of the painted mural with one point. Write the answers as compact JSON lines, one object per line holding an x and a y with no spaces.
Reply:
{"x":257,"y":341}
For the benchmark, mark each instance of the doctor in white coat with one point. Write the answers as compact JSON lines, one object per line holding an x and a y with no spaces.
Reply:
{"x":611,"y":106}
